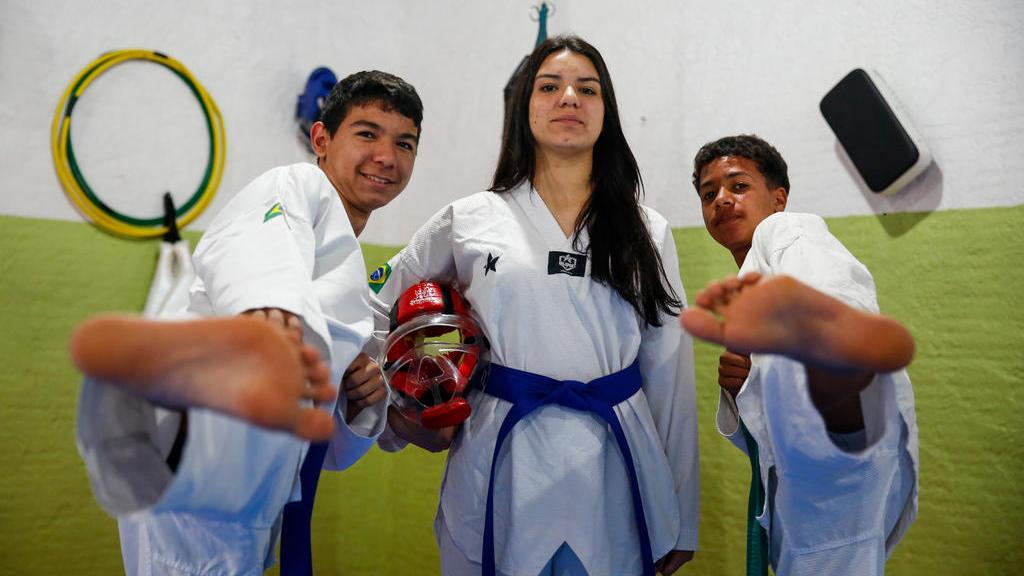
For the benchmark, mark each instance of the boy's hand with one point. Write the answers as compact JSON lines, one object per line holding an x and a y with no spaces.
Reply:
{"x":413,"y":432}
{"x":363,"y":384}
{"x":673,"y":561}
{"x":733,"y":369}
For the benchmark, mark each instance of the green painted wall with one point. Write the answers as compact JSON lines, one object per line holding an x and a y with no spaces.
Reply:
{"x":952,"y":277}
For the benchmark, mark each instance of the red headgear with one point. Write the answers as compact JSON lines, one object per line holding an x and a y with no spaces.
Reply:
{"x":432,"y":352}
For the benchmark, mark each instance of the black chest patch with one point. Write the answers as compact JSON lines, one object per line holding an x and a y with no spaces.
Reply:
{"x":567,"y":263}
{"x":492,"y":264}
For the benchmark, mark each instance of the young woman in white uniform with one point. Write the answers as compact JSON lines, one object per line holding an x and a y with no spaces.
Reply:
{"x":591,"y":392}
{"x":285,"y":243}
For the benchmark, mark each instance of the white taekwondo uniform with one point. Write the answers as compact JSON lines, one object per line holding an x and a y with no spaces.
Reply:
{"x":562,"y":477}
{"x":285,"y":242}
{"x":834,"y":504}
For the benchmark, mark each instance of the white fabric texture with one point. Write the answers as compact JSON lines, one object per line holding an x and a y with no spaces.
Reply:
{"x":561,"y":477}
{"x":284,"y":241}
{"x":455,"y":563}
{"x":828,"y":510}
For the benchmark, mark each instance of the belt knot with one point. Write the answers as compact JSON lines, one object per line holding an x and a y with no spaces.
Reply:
{"x":569,"y":393}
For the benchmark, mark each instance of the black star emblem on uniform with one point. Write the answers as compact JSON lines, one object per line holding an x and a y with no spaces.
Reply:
{"x":492,"y":263}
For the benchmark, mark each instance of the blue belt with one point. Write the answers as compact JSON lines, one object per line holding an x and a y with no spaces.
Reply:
{"x":296,"y":545}
{"x":527,"y":392}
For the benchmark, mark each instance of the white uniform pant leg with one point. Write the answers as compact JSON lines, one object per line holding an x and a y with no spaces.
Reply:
{"x":134,"y":546}
{"x":900,"y":494}
{"x":453,"y":561}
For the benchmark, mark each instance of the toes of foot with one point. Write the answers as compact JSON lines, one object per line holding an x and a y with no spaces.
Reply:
{"x":319,"y":392}
{"x":701,"y":324}
{"x":309,"y":355}
{"x":732,"y":284}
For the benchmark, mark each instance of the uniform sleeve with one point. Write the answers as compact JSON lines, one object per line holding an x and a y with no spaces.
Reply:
{"x":429,"y":255}
{"x":351,"y":327}
{"x":666,"y":361}
{"x":728,"y":420}
{"x":352,"y":440}
{"x":260,"y":253}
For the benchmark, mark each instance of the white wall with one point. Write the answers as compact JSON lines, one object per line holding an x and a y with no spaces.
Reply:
{"x":685,"y":73}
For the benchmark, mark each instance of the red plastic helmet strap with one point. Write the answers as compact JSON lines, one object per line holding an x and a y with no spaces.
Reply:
{"x":448,"y":414}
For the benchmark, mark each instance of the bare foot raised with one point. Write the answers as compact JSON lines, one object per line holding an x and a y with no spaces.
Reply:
{"x":780,"y":315}
{"x":244,"y":367}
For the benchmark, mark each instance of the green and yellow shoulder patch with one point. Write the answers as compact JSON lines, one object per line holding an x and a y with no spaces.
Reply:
{"x":379,"y":277}
{"x":275,"y":211}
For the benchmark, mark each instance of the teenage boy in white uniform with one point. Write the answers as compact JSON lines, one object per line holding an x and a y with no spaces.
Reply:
{"x":284,"y":250}
{"x":822,"y":403}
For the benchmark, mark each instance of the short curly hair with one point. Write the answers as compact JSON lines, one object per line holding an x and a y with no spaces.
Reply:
{"x":769,"y":162}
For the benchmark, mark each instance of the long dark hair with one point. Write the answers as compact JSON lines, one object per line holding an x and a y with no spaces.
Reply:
{"x":623,"y":256}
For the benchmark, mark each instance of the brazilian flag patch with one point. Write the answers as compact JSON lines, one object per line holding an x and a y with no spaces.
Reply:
{"x":275,"y":211}
{"x":379,"y":277}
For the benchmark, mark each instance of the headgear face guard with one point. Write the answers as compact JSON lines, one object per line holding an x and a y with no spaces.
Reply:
{"x":431,"y":355}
